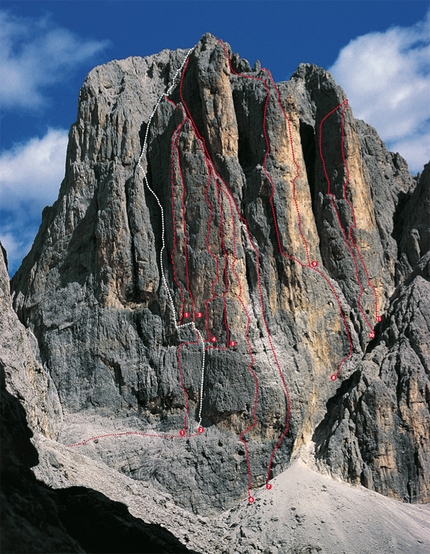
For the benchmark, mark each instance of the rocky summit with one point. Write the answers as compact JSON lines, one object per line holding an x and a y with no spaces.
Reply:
{"x":235,"y":272}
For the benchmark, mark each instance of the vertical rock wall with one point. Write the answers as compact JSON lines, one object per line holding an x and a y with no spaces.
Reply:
{"x":281,"y":247}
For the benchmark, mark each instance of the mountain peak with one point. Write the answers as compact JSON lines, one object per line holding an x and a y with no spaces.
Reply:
{"x":225,"y":265}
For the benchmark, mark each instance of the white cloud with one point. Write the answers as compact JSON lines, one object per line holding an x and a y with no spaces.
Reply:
{"x":16,"y":249}
{"x":386,"y":77}
{"x":35,"y":53}
{"x":30,"y":178}
{"x":31,"y":173}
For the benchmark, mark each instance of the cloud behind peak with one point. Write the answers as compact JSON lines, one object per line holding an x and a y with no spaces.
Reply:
{"x":386,"y":76}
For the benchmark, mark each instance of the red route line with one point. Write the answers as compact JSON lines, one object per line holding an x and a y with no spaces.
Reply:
{"x":187,"y":273}
{"x":172,"y":176}
{"x":252,"y":359}
{"x":311,"y":265}
{"x":206,"y":195}
{"x":181,"y":381}
{"x":314,"y":264}
{"x":138,"y":433}
{"x":222,"y":187}
{"x":350,"y":243}
{"x":225,"y":275}
{"x":207,"y":156}
{"x":297,"y":175}
{"x":354,"y":226}
{"x":208,"y":248}
{"x":212,"y":173}
{"x":269,"y":337}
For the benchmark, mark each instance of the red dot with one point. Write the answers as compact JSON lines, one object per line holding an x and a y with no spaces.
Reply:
{"x":379,"y":319}
{"x":314,"y":263}
{"x":187,"y":314}
{"x":268,"y":486}
{"x":201,"y":430}
{"x":213,"y":339}
{"x":372,"y":334}
{"x":199,"y":314}
{"x":233,"y":343}
{"x":333,"y":377}
{"x":251,"y":499}
{"x":182,"y":432}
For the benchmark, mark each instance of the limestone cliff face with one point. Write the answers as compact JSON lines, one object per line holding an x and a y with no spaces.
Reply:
{"x":26,"y":377}
{"x":291,"y":258}
{"x":376,"y":428}
{"x":35,"y":518}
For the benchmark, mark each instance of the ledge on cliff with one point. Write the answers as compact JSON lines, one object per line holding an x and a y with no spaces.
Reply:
{"x":36,"y":518}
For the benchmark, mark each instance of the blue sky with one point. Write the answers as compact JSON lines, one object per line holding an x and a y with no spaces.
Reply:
{"x":378,"y":51}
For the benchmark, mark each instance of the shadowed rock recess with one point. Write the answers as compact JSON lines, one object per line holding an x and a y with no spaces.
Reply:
{"x":35,"y":518}
{"x":239,"y":249}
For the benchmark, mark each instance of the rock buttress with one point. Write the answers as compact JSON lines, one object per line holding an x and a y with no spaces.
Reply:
{"x":279,"y":211}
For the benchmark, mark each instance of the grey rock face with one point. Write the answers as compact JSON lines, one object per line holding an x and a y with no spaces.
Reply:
{"x":35,"y":518}
{"x":288,"y":276}
{"x":29,"y":519}
{"x":376,"y":430}
{"x":26,"y":377}
{"x":413,"y":230}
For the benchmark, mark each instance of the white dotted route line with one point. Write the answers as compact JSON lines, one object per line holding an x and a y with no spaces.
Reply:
{"x":163,"y":276}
